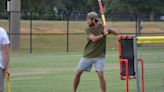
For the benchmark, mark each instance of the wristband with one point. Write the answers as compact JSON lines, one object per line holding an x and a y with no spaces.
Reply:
{"x":109,"y":31}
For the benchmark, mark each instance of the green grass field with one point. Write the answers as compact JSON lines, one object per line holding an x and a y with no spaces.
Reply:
{"x":50,"y":68}
{"x":54,"y":72}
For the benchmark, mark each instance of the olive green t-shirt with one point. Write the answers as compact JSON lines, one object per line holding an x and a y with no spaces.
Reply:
{"x":97,"y":48}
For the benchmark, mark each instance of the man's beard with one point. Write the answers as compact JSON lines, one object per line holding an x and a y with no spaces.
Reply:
{"x":92,"y":24}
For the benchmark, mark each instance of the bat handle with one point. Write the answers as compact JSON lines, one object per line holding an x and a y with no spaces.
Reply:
{"x":7,"y":75}
{"x":7,"y":82}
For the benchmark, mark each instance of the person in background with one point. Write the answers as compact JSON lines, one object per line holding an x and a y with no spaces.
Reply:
{"x":4,"y":56}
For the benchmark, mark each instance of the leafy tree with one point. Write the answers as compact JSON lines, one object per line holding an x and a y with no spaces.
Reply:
{"x":3,"y":5}
{"x":36,"y":5}
{"x":135,"y":6}
{"x":79,"y":5}
{"x":113,"y":6}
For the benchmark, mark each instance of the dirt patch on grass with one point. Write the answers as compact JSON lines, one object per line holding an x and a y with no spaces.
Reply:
{"x":61,"y":31}
{"x":54,"y":30}
{"x":152,"y":30}
{"x":57,"y":31}
{"x":144,"y":30}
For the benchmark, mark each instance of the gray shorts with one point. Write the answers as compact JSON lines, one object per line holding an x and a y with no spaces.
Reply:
{"x":85,"y":64}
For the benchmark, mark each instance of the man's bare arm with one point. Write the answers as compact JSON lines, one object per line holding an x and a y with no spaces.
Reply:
{"x":95,"y":38}
{"x":5,"y":51}
{"x":113,"y":32}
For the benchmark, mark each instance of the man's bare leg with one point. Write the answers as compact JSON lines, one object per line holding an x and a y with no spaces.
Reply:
{"x":102,"y":81}
{"x":77,"y":80}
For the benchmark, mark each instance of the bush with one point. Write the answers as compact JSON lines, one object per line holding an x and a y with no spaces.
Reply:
{"x":4,"y":15}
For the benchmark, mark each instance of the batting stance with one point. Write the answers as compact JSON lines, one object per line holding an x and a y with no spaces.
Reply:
{"x":4,"y":56}
{"x":94,"y":51}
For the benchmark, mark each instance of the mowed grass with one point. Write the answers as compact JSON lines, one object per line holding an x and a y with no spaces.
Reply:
{"x":39,"y":26}
{"x":51,"y":36}
{"x":54,"y":69}
{"x":54,"y":72}
{"x":58,"y":43}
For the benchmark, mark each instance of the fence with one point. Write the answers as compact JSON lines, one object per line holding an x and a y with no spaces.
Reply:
{"x":64,"y":32}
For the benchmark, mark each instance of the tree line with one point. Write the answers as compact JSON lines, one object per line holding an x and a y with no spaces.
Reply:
{"x":44,"y":7}
{"x":110,"y":6}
